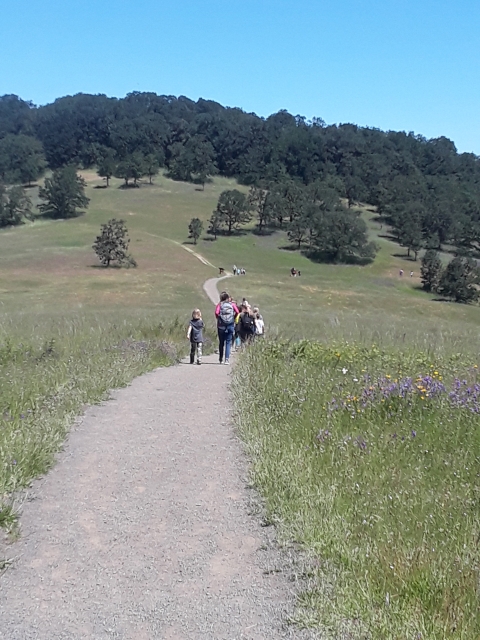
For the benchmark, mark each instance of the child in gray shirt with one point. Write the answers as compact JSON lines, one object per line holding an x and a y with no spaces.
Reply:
{"x":195,"y":335}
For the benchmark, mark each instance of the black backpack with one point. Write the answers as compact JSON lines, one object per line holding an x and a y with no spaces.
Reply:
{"x":248,"y":323}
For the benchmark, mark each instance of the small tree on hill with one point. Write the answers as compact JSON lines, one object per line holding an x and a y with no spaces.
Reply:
{"x":459,"y":280}
{"x":431,"y":270}
{"x":214,"y":224}
{"x":233,"y":209}
{"x":112,"y":244}
{"x":195,"y":229}
{"x":15,"y":205}
{"x":107,"y":165}
{"x":152,"y":166}
{"x":63,"y":194}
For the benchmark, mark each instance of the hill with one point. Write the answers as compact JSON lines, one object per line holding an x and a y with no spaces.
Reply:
{"x":50,"y":268}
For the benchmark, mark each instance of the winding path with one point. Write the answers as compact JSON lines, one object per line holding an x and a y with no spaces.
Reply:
{"x":142,"y":529}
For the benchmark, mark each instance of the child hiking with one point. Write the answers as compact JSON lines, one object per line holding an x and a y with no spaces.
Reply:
{"x":195,"y":335}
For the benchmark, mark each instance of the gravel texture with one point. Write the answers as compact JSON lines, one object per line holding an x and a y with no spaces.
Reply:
{"x":143,"y":529}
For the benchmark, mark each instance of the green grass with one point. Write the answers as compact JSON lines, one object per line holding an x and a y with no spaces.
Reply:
{"x":70,"y":331}
{"x":382,"y":493}
{"x":50,"y":367}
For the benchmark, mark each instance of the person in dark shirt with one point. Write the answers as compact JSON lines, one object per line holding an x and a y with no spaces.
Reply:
{"x":195,"y":335}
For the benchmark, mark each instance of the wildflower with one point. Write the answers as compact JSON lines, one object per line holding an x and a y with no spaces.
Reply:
{"x":344,"y":371}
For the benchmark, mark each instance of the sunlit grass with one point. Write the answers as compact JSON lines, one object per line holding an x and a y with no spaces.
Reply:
{"x":50,"y":367}
{"x":382,"y":493}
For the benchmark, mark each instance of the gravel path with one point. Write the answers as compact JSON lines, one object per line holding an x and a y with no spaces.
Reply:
{"x":210,"y":288}
{"x":142,"y":529}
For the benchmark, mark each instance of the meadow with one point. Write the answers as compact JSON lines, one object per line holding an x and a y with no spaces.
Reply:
{"x":360,"y":494}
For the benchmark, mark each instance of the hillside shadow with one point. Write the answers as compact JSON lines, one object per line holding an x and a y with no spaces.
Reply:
{"x":100,"y":186}
{"x":327,"y":258}
{"x":404,"y":256}
{"x":264,"y":232}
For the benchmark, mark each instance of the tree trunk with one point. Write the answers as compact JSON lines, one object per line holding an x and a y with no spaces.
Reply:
{"x":108,"y":181}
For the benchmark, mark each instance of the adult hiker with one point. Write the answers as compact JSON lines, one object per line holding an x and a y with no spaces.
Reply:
{"x":225,"y":312}
{"x":246,"y":325}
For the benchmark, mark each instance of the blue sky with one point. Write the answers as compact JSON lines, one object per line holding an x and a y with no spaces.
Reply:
{"x":403,"y":65}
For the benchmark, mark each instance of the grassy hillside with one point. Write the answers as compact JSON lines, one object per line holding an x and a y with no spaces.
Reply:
{"x":49,"y":267}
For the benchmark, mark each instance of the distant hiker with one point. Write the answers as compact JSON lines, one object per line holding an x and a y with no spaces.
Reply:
{"x":195,"y":335}
{"x":293,"y":272}
{"x":259,"y":324}
{"x":221,"y":271}
{"x":400,"y":273}
{"x":245,"y":303}
{"x":411,"y":274}
{"x":234,"y":269}
{"x":225,"y":312}
{"x":299,"y":273}
{"x":246,"y":325}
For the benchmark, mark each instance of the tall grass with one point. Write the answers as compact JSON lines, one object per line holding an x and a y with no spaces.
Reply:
{"x":50,"y":367}
{"x":369,"y":458}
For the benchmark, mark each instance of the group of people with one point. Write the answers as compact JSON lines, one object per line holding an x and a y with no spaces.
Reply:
{"x":237,"y":325}
{"x":238,"y":271}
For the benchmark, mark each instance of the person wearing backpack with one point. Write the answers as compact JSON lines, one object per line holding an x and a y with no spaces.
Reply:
{"x":246,"y":325}
{"x":225,"y":312}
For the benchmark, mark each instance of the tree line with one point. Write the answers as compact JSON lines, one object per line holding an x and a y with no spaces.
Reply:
{"x":459,"y":280}
{"x":424,"y":189}
{"x":313,"y":217}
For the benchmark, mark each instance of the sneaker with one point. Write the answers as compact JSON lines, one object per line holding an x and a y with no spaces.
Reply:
{"x":220,"y":362}
{"x":199,"y":362}
{"x":227,"y":361}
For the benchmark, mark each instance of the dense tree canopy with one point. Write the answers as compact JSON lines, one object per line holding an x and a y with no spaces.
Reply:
{"x":428,"y":192}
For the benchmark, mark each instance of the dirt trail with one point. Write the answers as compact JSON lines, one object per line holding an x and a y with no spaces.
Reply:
{"x":142,"y":529}
{"x":210,"y":288}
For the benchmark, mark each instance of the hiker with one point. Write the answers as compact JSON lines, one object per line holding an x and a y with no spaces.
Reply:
{"x":400,"y":273}
{"x":234,"y":269}
{"x":195,"y":335}
{"x":236,"y":338}
{"x":293,"y":272}
{"x":225,"y":312}
{"x":259,"y":323}
{"x":411,"y":274}
{"x":246,"y":325}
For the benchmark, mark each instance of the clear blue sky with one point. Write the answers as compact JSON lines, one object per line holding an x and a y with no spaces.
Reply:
{"x":410,"y":65}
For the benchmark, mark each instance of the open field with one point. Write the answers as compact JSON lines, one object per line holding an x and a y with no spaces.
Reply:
{"x":50,"y":267}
